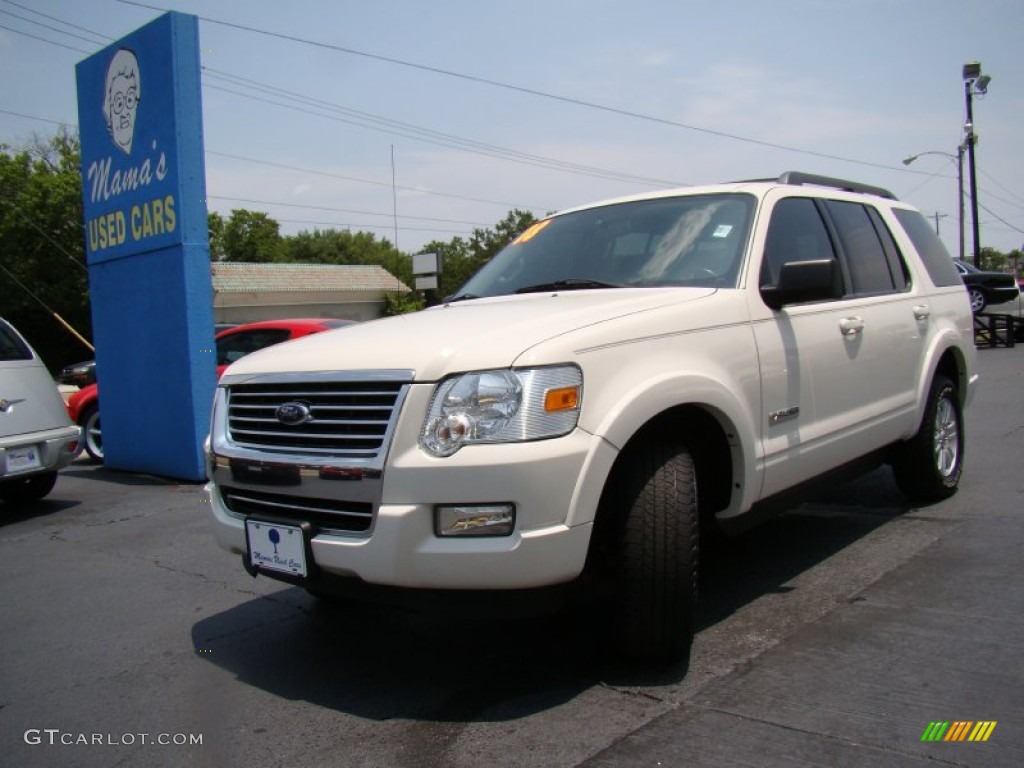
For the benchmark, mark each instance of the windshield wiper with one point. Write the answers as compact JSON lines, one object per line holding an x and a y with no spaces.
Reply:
{"x":569,"y":284}
{"x":460,"y":297}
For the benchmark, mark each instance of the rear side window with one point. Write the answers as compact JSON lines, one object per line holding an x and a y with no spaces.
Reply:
{"x":871,"y":267}
{"x":936,"y":258}
{"x":11,"y":345}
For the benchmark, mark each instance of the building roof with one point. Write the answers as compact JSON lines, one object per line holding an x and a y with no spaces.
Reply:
{"x":244,"y":277}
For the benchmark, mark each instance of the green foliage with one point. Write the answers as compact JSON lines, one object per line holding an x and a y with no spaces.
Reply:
{"x":996,"y":261}
{"x":402,"y":303}
{"x":461,"y":259}
{"x":216,"y":224}
{"x":252,"y":236}
{"x":42,"y":246}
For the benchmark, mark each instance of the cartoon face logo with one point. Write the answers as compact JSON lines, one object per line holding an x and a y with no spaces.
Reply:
{"x":121,"y":98}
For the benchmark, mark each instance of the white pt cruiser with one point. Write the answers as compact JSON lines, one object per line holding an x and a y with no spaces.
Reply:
{"x":618,"y":376}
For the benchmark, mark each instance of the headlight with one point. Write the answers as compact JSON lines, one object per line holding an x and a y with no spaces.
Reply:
{"x":502,"y":406}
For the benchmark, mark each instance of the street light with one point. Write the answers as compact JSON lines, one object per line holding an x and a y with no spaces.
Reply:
{"x":959,"y":157}
{"x":974,"y":83}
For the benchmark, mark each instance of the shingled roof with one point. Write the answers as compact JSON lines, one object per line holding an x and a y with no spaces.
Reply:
{"x":243,"y":277}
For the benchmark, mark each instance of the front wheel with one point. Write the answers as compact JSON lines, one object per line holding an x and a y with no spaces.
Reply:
{"x":25,"y":489}
{"x":929,"y":465}
{"x":650,"y":562}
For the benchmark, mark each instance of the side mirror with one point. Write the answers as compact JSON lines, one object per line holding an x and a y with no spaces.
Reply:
{"x":802,"y":281}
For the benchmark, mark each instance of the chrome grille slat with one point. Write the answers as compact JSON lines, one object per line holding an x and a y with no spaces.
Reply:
{"x":317,"y":423}
{"x":348,"y":419}
{"x":307,"y":435}
{"x":326,"y":514}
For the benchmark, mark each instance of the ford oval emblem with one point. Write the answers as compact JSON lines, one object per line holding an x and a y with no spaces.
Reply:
{"x":293,"y":413}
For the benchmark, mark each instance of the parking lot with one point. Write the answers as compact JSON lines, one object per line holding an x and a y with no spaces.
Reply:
{"x":833,"y":635}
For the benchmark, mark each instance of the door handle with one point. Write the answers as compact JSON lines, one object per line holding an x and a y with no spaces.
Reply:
{"x":851,"y":326}
{"x":922,"y":312}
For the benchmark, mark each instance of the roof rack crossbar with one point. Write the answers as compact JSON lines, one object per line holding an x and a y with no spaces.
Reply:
{"x":799,"y":178}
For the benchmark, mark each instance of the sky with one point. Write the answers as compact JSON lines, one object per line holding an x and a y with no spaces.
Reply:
{"x":422,"y":121}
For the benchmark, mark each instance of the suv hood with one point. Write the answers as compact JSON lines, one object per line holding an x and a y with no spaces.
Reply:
{"x":464,"y":336}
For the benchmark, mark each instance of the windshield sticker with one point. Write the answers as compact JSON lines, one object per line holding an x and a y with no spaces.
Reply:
{"x":531,"y":231}
{"x":722,"y":230}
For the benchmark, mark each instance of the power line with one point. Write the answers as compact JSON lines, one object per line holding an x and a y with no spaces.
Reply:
{"x":339,"y":225}
{"x":341,"y":210}
{"x":418,"y":190}
{"x":33,"y":117}
{"x":409,"y":130}
{"x":47,"y":26}
{"x":525,"y":90}
{"x":43,"y":39}
{"x":60,"y":21}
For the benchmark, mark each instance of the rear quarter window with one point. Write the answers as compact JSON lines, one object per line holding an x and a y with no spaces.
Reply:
{"x":937,"y":261}
{"x":11,"y":345}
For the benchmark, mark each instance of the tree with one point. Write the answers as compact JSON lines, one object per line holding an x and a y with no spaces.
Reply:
{"x":252,"y":236}
{"x":42,"y":247}
{"x":461,"y":259}
{"x":215,"y":222}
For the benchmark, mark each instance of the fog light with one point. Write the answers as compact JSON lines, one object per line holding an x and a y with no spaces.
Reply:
{"x":475,"y":520}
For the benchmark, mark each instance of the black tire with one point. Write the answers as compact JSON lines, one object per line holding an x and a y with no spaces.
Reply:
{"x":978,"y":302}
{"x":92,"y":435}
{"x":929,"y":465}
{"x":650,"y":562}
{"x":25,"y":489}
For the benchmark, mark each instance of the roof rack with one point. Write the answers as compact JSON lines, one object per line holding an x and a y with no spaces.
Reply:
{"x":798,"y":178}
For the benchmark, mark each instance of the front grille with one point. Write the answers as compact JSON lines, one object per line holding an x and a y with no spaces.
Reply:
{"x":329,"y":514}
{"x":347,"y":419}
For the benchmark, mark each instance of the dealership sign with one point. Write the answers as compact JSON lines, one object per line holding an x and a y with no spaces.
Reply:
{"x":147,"y":245}
{"x":132,"y":99}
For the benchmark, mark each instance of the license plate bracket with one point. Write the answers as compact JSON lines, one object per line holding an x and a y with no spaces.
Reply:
{"x":279,"y":549}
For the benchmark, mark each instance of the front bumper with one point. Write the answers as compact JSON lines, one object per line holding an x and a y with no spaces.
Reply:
{"x":56,"y":448}
{"x":545,"y":480}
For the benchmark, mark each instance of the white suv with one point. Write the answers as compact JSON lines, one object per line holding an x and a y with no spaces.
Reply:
{"x":618,"y":376}
{"x":36,"y":436}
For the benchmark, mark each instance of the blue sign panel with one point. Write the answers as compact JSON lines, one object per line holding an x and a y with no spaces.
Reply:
{"x":146,"y":237}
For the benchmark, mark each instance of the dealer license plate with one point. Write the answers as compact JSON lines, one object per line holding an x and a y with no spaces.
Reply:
{"x":23,"y":458}
{"x":276,"y":547}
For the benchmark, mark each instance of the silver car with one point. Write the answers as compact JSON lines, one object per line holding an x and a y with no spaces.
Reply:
{"x":36,"y":436}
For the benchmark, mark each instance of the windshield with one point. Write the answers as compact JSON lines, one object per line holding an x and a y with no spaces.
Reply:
{"x":694,"y":240}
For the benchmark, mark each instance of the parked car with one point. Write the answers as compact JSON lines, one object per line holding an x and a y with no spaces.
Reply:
{"x":618,"y":377}
{"x":36,"y":436}
{"x":985,"y":288}
{"x":233,"y":343}
{"x":78,"y":374}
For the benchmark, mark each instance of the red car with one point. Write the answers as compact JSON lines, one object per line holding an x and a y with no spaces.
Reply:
{"x":232,"y":344}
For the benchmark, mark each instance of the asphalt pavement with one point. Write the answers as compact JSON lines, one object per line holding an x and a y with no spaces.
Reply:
{"x":849,"y":631}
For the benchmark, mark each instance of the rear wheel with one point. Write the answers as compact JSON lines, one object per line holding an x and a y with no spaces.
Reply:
{"x":929,"y":465}
{"x":651,"y":547}
{"x":31,"y":488}
{"x":92,"y":433}
{"x":978,"y":302}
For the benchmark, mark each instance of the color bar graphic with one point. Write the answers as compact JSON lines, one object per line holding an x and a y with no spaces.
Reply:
{"x":958,"y":730}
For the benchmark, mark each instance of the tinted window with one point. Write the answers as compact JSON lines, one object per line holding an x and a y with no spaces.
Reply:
{"x":936,"y":258}
{"x":897,"y":266}
{"x":238,"y":345}
{"x":865,"y":258}
{"x":11,"y":346}
{"x":795,"y":233}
